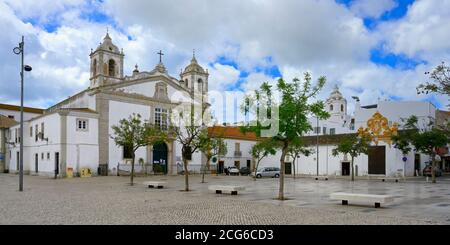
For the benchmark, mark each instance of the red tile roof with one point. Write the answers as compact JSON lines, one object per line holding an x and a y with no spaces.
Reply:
{"x":231,"y":133}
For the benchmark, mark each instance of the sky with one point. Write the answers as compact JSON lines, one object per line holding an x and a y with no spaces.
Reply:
{"x":373,"y":49}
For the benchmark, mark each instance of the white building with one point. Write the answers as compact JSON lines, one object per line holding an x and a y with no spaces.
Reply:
{"x":10,"y":116}
{"x":383,"y":159}
{"x":75,"y":133}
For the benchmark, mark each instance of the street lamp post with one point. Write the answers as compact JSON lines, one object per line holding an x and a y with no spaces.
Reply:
{"x":20,"y":50}
{"x":317,"y":146}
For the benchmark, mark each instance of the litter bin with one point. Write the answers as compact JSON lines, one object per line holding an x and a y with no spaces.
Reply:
{"x":69,"y":172}
{"x":102,"y":169}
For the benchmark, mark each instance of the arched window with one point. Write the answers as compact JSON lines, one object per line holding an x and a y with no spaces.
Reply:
{"x":331,"y":107}
{"x":187,"y":83}
{"x":111,"y":67}
{"x":200,"y":84}
{"x":342,"y":108}
{"x":94,"y":68}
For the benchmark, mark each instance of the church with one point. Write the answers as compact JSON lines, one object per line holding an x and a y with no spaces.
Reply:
{"x":75,"y":133}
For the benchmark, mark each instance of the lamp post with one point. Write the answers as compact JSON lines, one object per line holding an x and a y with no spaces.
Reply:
{"x":326,"y":144}
{"x":20,"y":50}
{"x":317,"y":145}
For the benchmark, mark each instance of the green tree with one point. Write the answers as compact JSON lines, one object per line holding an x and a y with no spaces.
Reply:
{"x":188,"y":130}
{"x":296,"y":150}
{"x":425,"y":140}
{"x":260,"y":150}
{"x":210,"y":146}
{"x":133,"y":133}
{"x":286,"y":119}
{"x":353,"y":146}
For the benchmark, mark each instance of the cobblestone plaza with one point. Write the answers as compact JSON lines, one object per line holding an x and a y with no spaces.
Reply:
{"x":111,"y":200}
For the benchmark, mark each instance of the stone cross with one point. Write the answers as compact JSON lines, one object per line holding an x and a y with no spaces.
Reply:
{"x":160,"y":56}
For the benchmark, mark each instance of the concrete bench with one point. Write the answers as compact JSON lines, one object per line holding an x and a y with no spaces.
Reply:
{"x":320,"y":177}
{"x":233,"y":189}
{"x":390,"y":178}
{"x":153,"y":184}
{"x":384,"y":179}
{"x":358,"y":197}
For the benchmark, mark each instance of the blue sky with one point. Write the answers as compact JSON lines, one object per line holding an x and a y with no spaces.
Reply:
{"x":369,"y":48}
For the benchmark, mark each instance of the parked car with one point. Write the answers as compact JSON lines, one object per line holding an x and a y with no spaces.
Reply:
{"x":244,"y":171}
{"x":273,"y":172}
{"x":427,"y":171}
{"x":233,"y":171}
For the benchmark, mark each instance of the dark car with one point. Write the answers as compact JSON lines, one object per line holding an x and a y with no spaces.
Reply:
{"x":427,"y":171}
{"x":245,"y":171}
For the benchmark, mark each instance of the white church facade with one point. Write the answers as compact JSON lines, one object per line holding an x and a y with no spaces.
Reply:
{"x":76,"y":132}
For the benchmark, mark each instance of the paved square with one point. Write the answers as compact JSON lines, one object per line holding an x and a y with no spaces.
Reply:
{"x":110,"y":200}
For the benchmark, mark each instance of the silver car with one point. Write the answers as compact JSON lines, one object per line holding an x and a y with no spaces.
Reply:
{"x":273,"y":172}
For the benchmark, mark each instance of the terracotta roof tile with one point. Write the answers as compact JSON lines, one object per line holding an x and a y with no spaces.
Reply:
{"x":231,"y":133}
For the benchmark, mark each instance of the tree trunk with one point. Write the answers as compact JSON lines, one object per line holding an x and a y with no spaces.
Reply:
{"x":283,"y":155}
{"x":353,"y":171}
{"x":293,"y":165}
{"x":206,"y":167}
{"x":255,"y":168}
{"x":186,"y":175}
{"x":433,"y":168}
{"x":132,"y":169}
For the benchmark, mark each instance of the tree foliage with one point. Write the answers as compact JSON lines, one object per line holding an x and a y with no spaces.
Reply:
{"x":260,"y":150}
{"x":287,"y":117}
{"x":210,"y":146}
{"x":353,"y":146}
{"x":297,"y":149}
{"x":188,"y":127}
{"x":133,"y":133}
{"x":426,"y":139}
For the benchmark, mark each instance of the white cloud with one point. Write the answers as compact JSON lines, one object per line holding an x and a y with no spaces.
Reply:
{"x":422,"y":33}
{"x":372,"y":8}
{"x":221,"y":76}
{"x":320,"y":36}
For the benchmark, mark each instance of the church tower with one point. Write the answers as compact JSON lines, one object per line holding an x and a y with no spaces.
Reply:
{"x":106,"y":64}
{"x":194,"y":77}
{"x":336,"y":105}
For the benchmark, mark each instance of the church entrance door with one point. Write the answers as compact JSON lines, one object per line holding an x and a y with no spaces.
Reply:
{"x":160,"y":158}
{"x":377,"y":160}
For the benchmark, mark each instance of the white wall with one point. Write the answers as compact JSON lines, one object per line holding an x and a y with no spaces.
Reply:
{"x":118,"y":111}
{"x":82,"y":146}
{"x":26,"y":115}
{"x":146,"y":88}
{"x":52,"y":130}
{"x":394,"y":111}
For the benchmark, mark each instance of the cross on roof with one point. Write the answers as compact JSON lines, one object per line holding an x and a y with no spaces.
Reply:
{"x":160,"y":56}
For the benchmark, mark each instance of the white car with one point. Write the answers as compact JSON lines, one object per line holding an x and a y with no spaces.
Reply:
{"x":233,"y":171}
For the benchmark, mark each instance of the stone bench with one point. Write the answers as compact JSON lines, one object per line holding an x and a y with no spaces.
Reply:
{"x":358,"y":197}
{"x":320,"y":177}
{"x":153,"y":184}
{"x":384,"y":179}
{"x":233,"y":189}
{"x":390,"y":178}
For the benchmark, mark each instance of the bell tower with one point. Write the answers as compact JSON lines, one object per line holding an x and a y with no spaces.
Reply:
{"x":336,"y":105}
{"x":106,"y":64}
{"x":194,"y":77}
